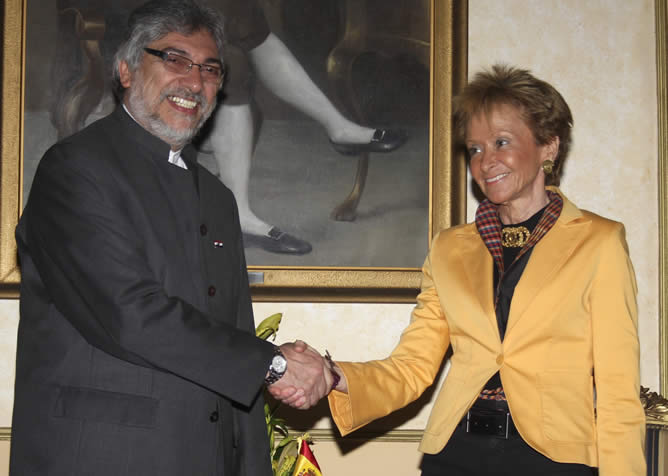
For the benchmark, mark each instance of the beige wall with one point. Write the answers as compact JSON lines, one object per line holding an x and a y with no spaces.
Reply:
{"x":9,"y":317}
{"x":600,"y":55}
{"x":4,"y":457}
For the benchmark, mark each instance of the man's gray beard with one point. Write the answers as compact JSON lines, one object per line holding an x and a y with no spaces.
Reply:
{"x":152,"y":121}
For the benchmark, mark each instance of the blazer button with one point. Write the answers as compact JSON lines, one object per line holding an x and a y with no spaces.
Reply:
{"x":203,"y":230}
{"x":499,"y":359}
{"x":212,"y":291}
{"x":213,"y":418}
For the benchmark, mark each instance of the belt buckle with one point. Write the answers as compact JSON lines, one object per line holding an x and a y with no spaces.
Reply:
{"x":490,"y":429}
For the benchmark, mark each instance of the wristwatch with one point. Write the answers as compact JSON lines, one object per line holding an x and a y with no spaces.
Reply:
{"x":277,"y":368}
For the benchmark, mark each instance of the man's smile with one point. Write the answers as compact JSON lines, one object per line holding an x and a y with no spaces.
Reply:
{"x":182,"y":102}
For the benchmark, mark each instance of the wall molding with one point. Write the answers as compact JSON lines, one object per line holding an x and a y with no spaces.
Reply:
{"x":392,"y":436}
{"x":322,"y":434}
{"x":329,"y":434}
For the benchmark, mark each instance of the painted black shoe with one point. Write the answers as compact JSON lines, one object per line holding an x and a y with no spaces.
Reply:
{"x":383,"y":140}
{"x":277,"y":241}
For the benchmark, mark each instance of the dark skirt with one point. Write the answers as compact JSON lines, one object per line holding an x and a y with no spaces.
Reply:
{"x":475,"y":454}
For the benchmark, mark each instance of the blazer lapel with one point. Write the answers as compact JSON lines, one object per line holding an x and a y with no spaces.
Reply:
{"x":477,"y":267}
{"x":547,"y":258}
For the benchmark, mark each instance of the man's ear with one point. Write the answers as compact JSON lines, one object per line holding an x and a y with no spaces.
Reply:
{"x":124,"y":74}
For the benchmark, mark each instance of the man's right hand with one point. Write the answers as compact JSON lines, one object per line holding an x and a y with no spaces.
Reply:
{"x":307,"y":378}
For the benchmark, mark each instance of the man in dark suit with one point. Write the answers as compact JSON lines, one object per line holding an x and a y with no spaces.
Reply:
{"x":136,"y":351}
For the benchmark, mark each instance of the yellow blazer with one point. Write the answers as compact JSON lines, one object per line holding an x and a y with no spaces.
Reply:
{"x":569,"y":361}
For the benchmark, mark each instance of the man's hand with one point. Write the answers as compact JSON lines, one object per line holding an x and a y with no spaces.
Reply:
{"x":307,"y":378}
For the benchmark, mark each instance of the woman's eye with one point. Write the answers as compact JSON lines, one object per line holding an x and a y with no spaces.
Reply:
{"x":473,"y":150}
{"x":501,"y":142}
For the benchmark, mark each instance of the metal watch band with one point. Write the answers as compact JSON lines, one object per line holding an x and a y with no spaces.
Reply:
{"x":274,"y":375}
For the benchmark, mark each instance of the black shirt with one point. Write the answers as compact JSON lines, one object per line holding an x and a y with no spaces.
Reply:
{"x":504,"y":288}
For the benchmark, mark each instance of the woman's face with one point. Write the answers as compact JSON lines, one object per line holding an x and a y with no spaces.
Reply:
{"x":506,"y":162}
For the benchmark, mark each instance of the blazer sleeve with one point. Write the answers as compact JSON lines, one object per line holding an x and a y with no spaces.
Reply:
{"x":93,"y":264}
{"x":379,"y":387}
{"x":620,"y":419}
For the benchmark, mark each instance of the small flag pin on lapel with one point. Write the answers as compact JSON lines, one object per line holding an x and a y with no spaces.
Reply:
{"x":218,"y":244}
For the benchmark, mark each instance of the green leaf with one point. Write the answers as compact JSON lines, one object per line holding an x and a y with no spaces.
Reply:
{"x":287,"y":467}
{"x":286,"y":441}
{"x":269,"y":326}
{"x":287,"y":456}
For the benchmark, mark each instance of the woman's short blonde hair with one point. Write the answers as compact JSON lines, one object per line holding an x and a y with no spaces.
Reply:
{"x":541,"y":106}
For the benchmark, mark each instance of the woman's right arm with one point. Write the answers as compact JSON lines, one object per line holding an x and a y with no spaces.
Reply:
{"x":370,"y":390}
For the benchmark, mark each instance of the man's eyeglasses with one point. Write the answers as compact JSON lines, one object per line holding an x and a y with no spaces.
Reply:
{"x":213,"y":73}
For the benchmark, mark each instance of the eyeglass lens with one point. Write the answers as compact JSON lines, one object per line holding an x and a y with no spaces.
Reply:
{"x":182,"y":65}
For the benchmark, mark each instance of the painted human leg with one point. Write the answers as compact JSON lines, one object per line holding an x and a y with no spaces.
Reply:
{"x":232,"y":134}
{"x":232,"y":143}
{"x":284,"y":76}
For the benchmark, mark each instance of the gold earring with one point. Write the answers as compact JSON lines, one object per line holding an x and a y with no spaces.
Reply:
{"x":547,"y":166}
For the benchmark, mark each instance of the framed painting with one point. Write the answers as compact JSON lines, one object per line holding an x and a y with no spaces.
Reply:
{"x":333,"y":130}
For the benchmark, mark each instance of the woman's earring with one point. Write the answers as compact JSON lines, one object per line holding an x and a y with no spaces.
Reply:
{"x":547,"y":166}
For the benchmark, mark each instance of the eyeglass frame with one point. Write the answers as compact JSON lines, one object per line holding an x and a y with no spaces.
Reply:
{"x":163,"y":55}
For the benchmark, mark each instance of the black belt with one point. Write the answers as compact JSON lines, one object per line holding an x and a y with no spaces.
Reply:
{"x":494,"y":423}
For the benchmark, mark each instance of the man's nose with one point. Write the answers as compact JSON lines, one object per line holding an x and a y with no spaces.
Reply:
{"x":193,"y":80}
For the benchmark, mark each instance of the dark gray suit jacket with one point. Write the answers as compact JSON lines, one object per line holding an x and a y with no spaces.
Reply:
{"x":136,"y":350}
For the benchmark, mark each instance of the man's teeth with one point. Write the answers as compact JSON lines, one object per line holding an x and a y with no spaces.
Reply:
{"x":183,"y":102}
{"x":495,"y":179}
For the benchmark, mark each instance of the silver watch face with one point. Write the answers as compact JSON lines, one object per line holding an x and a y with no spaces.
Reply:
{"x":279,"y":364}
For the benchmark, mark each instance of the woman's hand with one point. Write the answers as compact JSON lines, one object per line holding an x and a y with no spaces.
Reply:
{"x":307,"y":380}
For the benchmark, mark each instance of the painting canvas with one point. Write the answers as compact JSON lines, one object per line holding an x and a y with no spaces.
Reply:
{"x":308,"y":83}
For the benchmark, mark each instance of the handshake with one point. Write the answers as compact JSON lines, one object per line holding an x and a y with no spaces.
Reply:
{"x":308,"y":378}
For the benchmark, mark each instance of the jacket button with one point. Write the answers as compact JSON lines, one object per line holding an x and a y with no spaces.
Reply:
{"x":499,"y":359}
{"x":203,"y":230}
{"x":213,"y":418}
{"x":212,"y":291}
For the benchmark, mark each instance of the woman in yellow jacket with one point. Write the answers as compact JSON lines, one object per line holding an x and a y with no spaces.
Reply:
{"x":537,"y":299}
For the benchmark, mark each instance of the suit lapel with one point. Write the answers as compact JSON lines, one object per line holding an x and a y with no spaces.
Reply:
{"x":476,"y":266}
{"x":547,"y":258}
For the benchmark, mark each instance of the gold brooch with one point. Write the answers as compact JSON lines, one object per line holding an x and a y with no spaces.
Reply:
{"x":514,"y":236}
